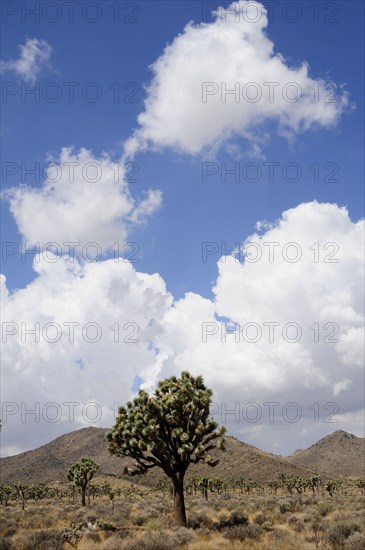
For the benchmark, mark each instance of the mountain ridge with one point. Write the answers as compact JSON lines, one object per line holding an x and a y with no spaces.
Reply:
{"x":339,"y":454}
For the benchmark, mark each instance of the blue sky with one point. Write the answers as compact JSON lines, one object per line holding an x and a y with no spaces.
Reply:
{"x":115,"y":54}
{"x":109,"y":53}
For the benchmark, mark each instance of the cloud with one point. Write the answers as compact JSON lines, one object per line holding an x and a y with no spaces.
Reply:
{"x":96,"y":325}
{"x":34,"y":57}
{"x":190,"y":109}
{"x":267,"y":304}
{"x":83,"y":199}
{"x":316,"y":380}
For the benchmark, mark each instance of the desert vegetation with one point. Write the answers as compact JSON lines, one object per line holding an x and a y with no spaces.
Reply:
{"x":168,"y":432}
{"x":221,"y":513}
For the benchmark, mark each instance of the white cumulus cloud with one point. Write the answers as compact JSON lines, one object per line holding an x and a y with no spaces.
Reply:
{"x":189,"y":107}
{"x":269,"y":304}
{"x":84,"y":199}
{"x":319,"y":298}
{"x":34,"y":57}
{"x":93,"y":331}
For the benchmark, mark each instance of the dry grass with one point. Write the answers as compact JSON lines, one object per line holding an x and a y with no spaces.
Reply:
{"x":267,"y":522}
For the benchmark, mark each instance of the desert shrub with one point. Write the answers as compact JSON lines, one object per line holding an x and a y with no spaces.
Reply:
{"x":243,"y":532}
{"x":162,"y":522}
{"x":236,"y":518}
{"x":93,"y":536}
{"x":154,"y":508}
{"x":152,"y":541}
{"x":43,"y":540}
{"x":296,"y":504}
{"x":6,"y":544}
{"x":144,"y":512}
{"x":296,"y":523}
{"x":284,"y":507}
{"x":8,"y":531}
{"x":356,"y":541}
{"x":106,"y":526}
{"x":114,"y":543}
{"x":113,"y":540}
{"x":224,"y":496}
{"x":184,"y":535}
{"x":292,"y":520}
{"x":141,"y":519}
{"x":325,"y":508}
{"x":310,"y":500}
{"x":270,"y":503}
{"x":260,"y":519}
{"x":198,"y":520}
{"x":317,"y":530}
{"x":230,"y":505}
{"x":337,"y":534}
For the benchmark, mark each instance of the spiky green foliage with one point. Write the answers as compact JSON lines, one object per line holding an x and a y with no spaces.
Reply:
{"x":5,"y":494}
{"x":171,"y":429}
{"x":81,"y":473}
{"x":22,"y":491}
{"x":360,"y":483}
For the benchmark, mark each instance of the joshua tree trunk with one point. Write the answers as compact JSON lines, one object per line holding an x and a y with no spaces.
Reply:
{"x":179,"y":501}
{"x":83,"y":495}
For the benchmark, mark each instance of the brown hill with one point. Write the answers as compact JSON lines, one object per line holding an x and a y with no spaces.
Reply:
{"x":51,"y":461}
{"x":337,"y":454}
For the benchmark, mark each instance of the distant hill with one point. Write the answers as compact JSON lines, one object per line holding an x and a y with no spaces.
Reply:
{"x":338,"y":454}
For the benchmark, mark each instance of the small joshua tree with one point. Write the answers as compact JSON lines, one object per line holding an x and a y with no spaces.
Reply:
{"x":332,"y":485}
{"x":111,"y":498}
{"x":170,"y":430}
{"x":314,"y":482}
{"x":81,"y":473}
{"x":360,"y":483}
{"x":22,"y":491}
{"x":5,"y":494}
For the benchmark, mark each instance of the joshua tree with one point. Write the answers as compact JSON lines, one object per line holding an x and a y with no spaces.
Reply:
{"x":274,"y":485}
{"x":332,"y":485}
{"x":300,"y":484}
{"x":164,"y":486}
{"x":111,"y":497}
{"x":81,"y":473}
{"x":170,"y":429}
{"x":360,"y":483}
{"x":22,"y":490}
{"x":5,"y":494}
{"x":314,"y":482}
{"x":204,"y":483}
